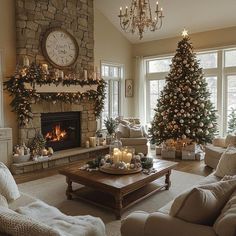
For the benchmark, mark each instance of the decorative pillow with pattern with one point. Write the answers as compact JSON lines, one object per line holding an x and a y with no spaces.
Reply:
{"x":8,"y":187}
{"x":3,"y":201}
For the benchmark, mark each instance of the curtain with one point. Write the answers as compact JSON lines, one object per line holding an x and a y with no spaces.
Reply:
{"x":140,"y":94}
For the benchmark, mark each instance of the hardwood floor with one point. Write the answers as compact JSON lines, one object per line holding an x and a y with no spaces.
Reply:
{"x":193,"y":167}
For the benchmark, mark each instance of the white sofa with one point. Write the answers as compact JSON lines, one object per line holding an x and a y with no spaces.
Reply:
{"x":214,"y":151}
{"x":160,"y":223}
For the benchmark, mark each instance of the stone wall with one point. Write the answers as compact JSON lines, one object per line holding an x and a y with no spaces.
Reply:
{"x":35,"y":17}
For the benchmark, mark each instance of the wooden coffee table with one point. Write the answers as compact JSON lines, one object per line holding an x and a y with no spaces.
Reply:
{"x":117,"y":192}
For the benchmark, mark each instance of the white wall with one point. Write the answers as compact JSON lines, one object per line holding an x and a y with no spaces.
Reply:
{"x":112,"y":46}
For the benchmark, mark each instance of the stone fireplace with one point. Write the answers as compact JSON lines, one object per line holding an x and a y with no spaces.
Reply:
{"x":68,"y":116}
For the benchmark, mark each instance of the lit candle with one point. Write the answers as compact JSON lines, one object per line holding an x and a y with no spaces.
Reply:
{"x":128,"y":157}
{"x":124,"y":153}
{"x":45,"y":68}
{"x":85,"y":74}
{"x":156,"y":6}
{"x":126,"y":11}
{"x":26,"y":61}
{"x":161,"y":11}
{"x":120,"y":11}
{"x":116,"y":157}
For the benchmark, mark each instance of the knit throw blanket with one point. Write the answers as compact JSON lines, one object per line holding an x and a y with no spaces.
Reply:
{"x":63,"y":224}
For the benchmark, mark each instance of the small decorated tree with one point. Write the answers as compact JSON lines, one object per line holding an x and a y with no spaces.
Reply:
{"x":232,"y":121}
{"x":38,"y":144}
{"x":184,"y":109}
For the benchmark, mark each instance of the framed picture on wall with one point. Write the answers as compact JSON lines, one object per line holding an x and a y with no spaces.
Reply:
{"x":129,"y":90}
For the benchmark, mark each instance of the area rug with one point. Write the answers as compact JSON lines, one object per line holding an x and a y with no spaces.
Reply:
{"x":52,"y":191}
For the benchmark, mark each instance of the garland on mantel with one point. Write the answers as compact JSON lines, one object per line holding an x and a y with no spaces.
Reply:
{"x":36,"y":74}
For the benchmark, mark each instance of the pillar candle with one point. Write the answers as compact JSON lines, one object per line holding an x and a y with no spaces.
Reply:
{"x":116,"y":157}
{"x":87,"y":144}
{"x":92,"y":141}
{"x":124,"y":153}
{"x":61,"y":74}
{"x":128,"y":157}
{"x":85,"y":74}
{"x":26,"y":61}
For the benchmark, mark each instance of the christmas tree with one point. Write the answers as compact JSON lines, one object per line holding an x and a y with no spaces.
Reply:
{"x":232,"y":121}
{"x":184,"y":109}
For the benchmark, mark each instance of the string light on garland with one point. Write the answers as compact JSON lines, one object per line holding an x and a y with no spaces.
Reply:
{"x":36,"y":74}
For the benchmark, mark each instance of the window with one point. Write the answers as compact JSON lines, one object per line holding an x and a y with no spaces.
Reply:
{"x":219,"y":67}
{"x":112,"y":74}
{"x":157,"y":70}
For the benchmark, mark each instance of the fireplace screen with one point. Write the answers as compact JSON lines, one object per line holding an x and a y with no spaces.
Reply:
{"x":61,"y":130}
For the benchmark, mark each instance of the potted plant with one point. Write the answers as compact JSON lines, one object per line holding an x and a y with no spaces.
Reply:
{"x":110,"y":125}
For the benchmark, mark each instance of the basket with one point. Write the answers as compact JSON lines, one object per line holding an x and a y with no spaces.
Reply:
{"x":21,"y":159}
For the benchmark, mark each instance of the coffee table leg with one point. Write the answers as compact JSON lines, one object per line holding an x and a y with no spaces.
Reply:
{"x":119,"y":206}
{"x":167,"y":180}
{"x":69,"y":189}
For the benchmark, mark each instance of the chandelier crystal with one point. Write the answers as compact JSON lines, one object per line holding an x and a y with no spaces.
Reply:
{"x":139,"y":17}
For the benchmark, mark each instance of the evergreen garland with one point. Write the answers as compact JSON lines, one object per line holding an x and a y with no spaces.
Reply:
{"x":22,"y":98}
{"x":184,"y":110}
{"x":232,"y":121}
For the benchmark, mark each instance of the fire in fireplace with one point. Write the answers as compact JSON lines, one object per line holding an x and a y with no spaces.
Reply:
{"x":61,"y":130}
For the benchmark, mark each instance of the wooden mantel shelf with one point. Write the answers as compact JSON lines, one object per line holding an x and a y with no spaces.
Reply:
{"x":59,"y":158}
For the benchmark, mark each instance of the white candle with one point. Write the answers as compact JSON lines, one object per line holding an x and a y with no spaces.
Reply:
{"x":121,"y":11}
{"x":85,"y":74}
{"x":61,"y":74}
{"x":156,"y":6}
{"x":26,"y":61}
{"x":87,"y":144}
{"x":115,"y":150}
{"x":45,"y":68}
{"x":126,"y":10}
{"x":116,"y":157}
{"x":128,"y":157}
{"x":124,"y":153}
{"x":92,"y":141}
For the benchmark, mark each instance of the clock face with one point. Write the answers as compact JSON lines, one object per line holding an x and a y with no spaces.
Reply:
{"x":60,"y":48}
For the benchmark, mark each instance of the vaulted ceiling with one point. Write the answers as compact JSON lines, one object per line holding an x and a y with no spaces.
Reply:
{"x":196,"y":16}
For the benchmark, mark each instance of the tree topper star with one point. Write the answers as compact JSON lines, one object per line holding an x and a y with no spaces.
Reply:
{"x":185,"y":33}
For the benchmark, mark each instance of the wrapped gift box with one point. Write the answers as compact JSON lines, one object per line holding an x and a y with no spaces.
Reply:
{"x":158,"y":150}
{"x":168,"y":153}
{"x":188,"y":155}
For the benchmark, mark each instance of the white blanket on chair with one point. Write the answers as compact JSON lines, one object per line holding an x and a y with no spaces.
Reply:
{"x":65,"y":225}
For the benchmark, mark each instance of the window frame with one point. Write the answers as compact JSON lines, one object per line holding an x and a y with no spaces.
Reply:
{"x":109,"y":79}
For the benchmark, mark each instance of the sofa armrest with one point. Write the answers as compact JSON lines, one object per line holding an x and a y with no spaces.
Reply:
{"x":159,"y":224}
{"x":219,"y":142}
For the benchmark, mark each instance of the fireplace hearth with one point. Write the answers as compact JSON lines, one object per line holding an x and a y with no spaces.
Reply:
{"x":61,"y":130}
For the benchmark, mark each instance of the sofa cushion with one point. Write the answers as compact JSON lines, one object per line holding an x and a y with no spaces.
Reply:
{"x":230,"y":140}
{"x":227,"y":163}
{"x":225,"y":224}
{"x":3,"y":201}
{"x":8,"y":187}
{"x":15,"y":224}
{"x":136,"y":132}
{"x":202,"y":204}
{"x":133,"y":141}
{"x":124,"y":130}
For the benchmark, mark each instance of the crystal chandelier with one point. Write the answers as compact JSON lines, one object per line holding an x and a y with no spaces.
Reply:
{"x":139,"y":17}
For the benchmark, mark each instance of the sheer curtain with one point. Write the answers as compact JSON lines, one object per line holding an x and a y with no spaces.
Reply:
{"x":140,"y":94}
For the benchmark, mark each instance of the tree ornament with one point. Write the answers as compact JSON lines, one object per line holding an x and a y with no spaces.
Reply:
{"x":187,"y":131}
{"x":201,"y":124}
{"x":188,"y":104}
{"x":195,"y":102}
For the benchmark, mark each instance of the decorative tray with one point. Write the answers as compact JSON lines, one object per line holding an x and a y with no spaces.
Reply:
{"x":117,"y":171}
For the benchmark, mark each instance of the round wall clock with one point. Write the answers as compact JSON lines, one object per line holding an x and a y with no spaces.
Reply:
{"x":60,"y":48}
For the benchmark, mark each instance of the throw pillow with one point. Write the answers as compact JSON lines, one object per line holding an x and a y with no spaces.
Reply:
{"x":8,"y":187}
{"x":3,"y":201}
{"x":225,"y":224}
{"x":15,"y":224}
{"x":227,"y":163}
{"x":136,"y":132}
{"x":203,"y":204}
{"x":125,"y":131}
{"x":230,"y":140}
